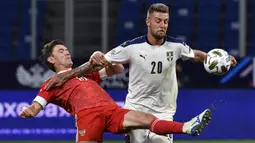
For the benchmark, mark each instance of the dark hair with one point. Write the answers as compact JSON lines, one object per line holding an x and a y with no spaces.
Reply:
{"x":158,"y":7}
{"x":46,"y":52}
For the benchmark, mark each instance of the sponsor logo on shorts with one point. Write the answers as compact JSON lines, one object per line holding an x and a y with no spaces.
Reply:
{"x":169,"y":137}
{"x":82,"y":132}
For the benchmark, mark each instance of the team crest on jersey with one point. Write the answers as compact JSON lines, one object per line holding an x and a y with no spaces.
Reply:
{"x":170,"y":55}
{"x":82,"y":132}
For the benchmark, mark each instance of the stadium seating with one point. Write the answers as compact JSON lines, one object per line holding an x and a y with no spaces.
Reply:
{"x":208,"y":25}
{"x":128,"y":21}
{"x":6,"y":28}
{"x":181,"y":23}
{"x":251,"y":29}
{"x":150,"y":2}
{"x":41,"y":6}
{"x":230,"y":43}
{"x":24,"y":42}
{"x":203,"y":24}
{"x":16,"y":27}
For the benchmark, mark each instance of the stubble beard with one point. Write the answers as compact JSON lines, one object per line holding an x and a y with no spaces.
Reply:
{"x":158,"y":36}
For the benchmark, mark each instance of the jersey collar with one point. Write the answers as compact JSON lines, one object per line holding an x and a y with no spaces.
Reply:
{"x":64,"y":71}
{"x":146,"y":38}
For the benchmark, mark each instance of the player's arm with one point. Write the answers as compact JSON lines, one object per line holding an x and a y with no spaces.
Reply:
{"x":199,"y":56}
{"x":109,"y":69}
{"x":31,"y":111}
{"x":191,"y":54}
{"x":87,"y":68}
{"x":120,"y":54}
{"x":110,"y":61}
{"x":39,"y":102}
{"x":117,"y":55}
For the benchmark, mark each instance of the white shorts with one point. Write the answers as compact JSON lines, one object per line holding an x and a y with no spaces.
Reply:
{"x":146,"y":136}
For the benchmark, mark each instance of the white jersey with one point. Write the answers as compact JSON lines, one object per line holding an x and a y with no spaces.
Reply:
{"x":153,"y":86}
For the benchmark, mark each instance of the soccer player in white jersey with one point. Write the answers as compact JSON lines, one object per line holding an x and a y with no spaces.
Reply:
{"x":153,"y":86}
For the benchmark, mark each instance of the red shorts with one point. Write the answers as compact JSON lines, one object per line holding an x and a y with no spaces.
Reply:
{"x":93,"y":122}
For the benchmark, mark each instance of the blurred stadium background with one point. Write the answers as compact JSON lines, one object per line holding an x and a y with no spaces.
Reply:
{"x":90,"y":25}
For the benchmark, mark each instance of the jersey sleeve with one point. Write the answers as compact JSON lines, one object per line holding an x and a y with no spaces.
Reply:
{"x":94,"y":76}
{"x":186,"y":52}
{"x":120,"y":54}
{"x":43,"y":97}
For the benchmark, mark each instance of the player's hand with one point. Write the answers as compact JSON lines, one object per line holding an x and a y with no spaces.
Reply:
{"x":26,"y":112}
{"x":57,"y":80}
{"x":98,"y":58}
{"x":233,"y":61}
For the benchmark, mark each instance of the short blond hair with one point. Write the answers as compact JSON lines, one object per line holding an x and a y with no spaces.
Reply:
{"x":158,"y":7}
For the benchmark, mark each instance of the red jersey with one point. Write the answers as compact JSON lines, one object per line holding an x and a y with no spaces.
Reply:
{"x":78,"y":94}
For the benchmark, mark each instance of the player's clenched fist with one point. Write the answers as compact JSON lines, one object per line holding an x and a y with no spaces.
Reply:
{"x":26,"y":112}
{"x":233,"y":61}
{"x":98,"y":58}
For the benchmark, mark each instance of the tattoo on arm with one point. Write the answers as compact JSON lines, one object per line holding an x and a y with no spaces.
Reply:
{"x":86,"y":68}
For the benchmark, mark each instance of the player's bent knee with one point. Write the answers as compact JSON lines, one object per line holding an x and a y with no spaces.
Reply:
{"x":137,"y":120}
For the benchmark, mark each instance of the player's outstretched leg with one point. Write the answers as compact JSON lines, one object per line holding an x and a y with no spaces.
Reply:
{"x":196,"y":124}
{"x":140,"y":120}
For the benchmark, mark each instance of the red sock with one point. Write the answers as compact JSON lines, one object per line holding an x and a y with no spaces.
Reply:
{"x":162,"y":127}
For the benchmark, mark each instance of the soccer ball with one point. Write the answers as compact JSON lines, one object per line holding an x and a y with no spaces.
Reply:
{"x":217,"y":62}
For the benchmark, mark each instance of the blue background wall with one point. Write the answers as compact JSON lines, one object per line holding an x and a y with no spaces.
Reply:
{"x":233,"y":115}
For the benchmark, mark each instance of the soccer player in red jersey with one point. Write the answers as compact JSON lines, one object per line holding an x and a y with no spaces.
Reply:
{"x":94,"y":110}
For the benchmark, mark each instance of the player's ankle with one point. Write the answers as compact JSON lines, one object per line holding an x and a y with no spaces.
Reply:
{"x":185,"y":128}
{"x":163,"y":127}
